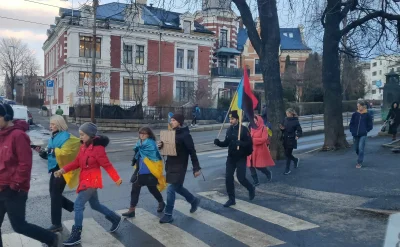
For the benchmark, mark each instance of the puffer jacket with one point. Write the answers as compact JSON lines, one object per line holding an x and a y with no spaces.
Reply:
{"x":90,"y":159}
{"x":360,"y":123}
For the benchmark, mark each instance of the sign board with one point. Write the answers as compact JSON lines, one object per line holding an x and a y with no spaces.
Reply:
{"x":50,"y":87}
{"x":379,"y":83}
{"x":80,"y":92}
{"x":50,"y":83}
{"x":168,"y":139}
{"x":393,"y":231}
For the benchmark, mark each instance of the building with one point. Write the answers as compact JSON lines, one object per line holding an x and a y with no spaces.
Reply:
{"x":144,"y":55}
{"x":375,"y":76}
{"x":26,"y":88}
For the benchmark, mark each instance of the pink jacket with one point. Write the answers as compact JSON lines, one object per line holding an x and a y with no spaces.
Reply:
{"x":261,"y":156}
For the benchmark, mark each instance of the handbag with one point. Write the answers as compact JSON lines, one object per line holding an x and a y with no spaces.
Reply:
{"x":384,"y":126}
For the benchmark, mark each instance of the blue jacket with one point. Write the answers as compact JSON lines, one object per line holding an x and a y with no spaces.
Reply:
{"x":360,"y":123}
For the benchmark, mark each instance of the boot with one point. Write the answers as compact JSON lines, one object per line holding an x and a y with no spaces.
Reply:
{"x":255,"y":179}
{"x":394,"y":137}
{"x":54,"y":243}
{"x":75,"y":237}
{"x":116,"y":222}
{"x":161,"y":207}
{"x":230,"y":202}
{"x":195,"y":205}
{"x":166,"y":219}
{"x":252,"y":193}
{"x":130,"y":213}
{"x":269,"y":175}
{"x":297,"y":163}
{"x":55,"y":228}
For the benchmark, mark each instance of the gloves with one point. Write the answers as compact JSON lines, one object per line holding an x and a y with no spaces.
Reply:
{"x":51,"y":152}
{"x":239,"y":143}
{"x":134,"y":161}
{"x":216,"y":142}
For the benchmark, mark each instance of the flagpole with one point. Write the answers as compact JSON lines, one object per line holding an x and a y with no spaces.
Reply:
{"x":240,"y":127}
{"x":223,"y":122}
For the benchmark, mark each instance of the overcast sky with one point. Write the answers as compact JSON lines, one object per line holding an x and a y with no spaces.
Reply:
{"x":35,"y":34}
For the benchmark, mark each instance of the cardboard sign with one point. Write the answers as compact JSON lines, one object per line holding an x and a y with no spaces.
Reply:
{"x":168,"y":138}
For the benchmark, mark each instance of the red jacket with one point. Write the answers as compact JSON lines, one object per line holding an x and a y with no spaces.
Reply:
{"x":90,"y":159}
{"x":261,"y":156}
{"x":15,"y":157}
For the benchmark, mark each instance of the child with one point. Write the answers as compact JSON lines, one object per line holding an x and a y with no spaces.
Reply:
{"x":92,"y":155}
{"x":149,"y":171}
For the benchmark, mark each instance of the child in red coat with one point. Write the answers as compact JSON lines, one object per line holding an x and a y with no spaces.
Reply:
{"x":91,"y":157}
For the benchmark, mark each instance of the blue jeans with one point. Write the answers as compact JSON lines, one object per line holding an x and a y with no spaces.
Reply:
{"x":177,"y":188}
{"x":91,"y":196}
{"x":359,"y":146}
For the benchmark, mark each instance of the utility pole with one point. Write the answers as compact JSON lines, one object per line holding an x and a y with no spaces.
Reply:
{"x":94,"y":44}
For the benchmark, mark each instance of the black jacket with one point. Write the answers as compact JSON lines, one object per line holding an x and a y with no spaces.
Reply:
{"x":360,"y":124}
{"x":394,"y":113}
{"x":231,"y":139}
{"x":176,"y":166}
{"x":291,"y":131}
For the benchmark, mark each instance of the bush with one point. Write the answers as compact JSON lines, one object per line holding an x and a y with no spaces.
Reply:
{"x":44,"y":108}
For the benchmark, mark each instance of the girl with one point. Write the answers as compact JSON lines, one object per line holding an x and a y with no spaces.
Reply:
{"x":394,"y":119}
{"x":149,"y":171}
{"x":291,"y":131}
{"x":260,"y":159}
{"x":91,"y":157}
{"x":61,"y":150}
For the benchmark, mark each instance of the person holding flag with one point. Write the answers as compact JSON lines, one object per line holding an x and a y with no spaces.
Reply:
{"x":238,"y":139}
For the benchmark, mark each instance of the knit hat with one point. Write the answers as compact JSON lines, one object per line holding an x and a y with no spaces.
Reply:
{"x":179,"y":118}
{"x":59,"y":121}
{"x":89,"y":129}
{"x":6,"y":109}
{"x":234,"y":114}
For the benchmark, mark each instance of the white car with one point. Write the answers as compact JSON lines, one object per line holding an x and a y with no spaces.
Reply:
{"x":21,"y":113}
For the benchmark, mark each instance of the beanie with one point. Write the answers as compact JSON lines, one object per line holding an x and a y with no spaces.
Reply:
{"x":6,"y":109}
{"x":89,"y":129}
{"x":234,"y":114}
{"x":179,"y":118}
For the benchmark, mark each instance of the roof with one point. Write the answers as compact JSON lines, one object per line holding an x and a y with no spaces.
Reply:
{"x":227,"y":50}
{"x":290,"y":39}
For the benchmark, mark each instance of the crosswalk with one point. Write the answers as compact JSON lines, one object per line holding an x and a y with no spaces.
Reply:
{"x":171,"y":235}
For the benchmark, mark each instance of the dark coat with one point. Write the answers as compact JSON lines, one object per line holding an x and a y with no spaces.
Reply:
{"x":291,"y":131}
{"x":176,"y":166}
{"x":231,"y":139}
{"x":360,"y":123}
{"x":394,"y":113}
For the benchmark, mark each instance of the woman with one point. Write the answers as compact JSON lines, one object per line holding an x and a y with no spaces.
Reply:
{"x":260,"y":159}
{"x":61,"y":150}
{"x":92,"y":155}
{"x":149,"y":171}
{"x":394,"y":119}
{"x":291,"y":131}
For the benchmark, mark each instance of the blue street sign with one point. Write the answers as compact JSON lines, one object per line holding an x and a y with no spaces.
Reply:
{"x":50,"y":83}
{"x":378,"y":83}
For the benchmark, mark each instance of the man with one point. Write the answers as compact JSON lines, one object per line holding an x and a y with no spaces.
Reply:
{"x":59,"y":111}
{"x":15,"y":176}
{"x":360,"y":124}
{"x":236,"y":158}
{"x":176,"y":167}
{"x":195,"y":113}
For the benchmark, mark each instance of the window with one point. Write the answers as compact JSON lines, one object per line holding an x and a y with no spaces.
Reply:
{"x":380,"y":62}
{"x":190,"y":59}
{"x":85,"y":80}
{"x":223,"y":40}
{"x":223,"y":61}
{"x":140,"y":54}
{"x":257,"y":68}
{"x":380,"y":72}
{"x":290,"y":35}
{"x":86,"y":47}
{"x":373,"y":83}
{"x":133,"y":90}
{"x":373,"y":91}
{"x":184,"y":90}
{"x":127,"y":54}
{"x":374,"y":73}
{"x":187,"y":26}
{"x":179,"y":58}
{"x":374,"y":64}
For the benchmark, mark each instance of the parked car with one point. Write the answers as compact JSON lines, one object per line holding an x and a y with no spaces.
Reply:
{"x":21,"y":113}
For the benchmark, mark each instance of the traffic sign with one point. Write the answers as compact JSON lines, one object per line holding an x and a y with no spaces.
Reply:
{"x":50,"y":83}
{"x":50,"y":91}
{"x":80,"y":92}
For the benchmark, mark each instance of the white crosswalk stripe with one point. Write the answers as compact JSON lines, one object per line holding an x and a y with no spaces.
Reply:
{"x":18,"y":240}
{"x":269,"y":215}
{"x":165,"y":234}
{"x":236,"y":230}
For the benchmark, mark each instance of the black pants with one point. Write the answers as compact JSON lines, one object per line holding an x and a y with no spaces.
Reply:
{"x":264,"y":170}
{"x":239,"y":165}
{"x":289,"y":157}
{"x":14,"y":204}
{"x":136,"y":192}
{"x":58,"y":201}
{"x":194,"y":121}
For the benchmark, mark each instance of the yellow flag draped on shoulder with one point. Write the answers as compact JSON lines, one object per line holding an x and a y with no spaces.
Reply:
{"x":65,"y":155}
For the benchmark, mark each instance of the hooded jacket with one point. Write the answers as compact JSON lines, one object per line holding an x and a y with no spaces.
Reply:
{"x":360,"y":123}
{"x":261,"y":156}
{"x":90,"y":159}
{"x":15,"y":157}
{"x":231,"y":139}
{"x":290,"y":132}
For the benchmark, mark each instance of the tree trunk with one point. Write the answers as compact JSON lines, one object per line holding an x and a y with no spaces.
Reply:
{"x":12,"y":86}
{"x":333,"y":118}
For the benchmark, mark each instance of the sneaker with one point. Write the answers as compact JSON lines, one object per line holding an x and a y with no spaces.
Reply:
{"x":287,"y":172}
{"x":229,"y":203}
{"x":358,"y":166}
{"x":55,"y":228}
{"x":116,"y":221}
{"x":296,"y":165}
{"x":75,"y":237}
{"x":252,"y":194}
{"x":161,"y":207}
{"x":166,"y":219}
{"x":256,"y":183}
{"x":195,"y":205}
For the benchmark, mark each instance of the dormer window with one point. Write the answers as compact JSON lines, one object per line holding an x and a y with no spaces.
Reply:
{"x":187,"y":26}
{"x":290,"y":35}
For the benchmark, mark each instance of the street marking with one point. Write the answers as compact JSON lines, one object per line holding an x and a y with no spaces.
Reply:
{"x":94,"y":235}
{"x":245,"y":234}
{"x":15,"y":239}
{"x":167,"y":234}
{"x":266,"y":214}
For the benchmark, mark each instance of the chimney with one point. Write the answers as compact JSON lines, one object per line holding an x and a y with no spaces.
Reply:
{"x":143,"y":2}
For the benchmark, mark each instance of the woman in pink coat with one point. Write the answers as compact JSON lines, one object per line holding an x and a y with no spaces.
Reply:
{"x":261,"y":158}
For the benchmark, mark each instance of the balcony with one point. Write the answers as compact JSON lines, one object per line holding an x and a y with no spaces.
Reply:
{"x":227,"y":72}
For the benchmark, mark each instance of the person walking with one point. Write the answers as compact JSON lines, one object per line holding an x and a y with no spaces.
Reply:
{"x":394,"y":120}
{"x":59,"y":111}
{"x":261,"y":158}
{"x":62,"y":149}
{"x":360,"y":125}
{"x":149,"y":171}
{"x":15,"y":177}
{"x":176,"y":167}
{"x":195,"y":114}
{"x":92,"y":155}
{"x":237,"y":158}
{"x":291,"y":132}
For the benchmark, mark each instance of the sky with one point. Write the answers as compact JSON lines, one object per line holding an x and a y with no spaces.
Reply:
{"x":39,"y":11}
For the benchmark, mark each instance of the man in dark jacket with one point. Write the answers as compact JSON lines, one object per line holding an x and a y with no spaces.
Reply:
{"x":15,"y":176}
{"x":360,"y":124}
{"x":176,"y":167}
{"x":236,"y":158}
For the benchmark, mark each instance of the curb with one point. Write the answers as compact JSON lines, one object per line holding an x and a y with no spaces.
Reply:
{"x":378,"y":211}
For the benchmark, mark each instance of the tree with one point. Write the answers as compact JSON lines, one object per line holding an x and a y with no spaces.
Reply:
{"x":289,"y":81}
{"x":312,"y":79}
{"x":15,"y":58}
{"x":353,"y":79}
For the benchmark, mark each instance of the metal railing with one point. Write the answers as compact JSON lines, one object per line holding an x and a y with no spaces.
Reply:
{"x":228,"y":72}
